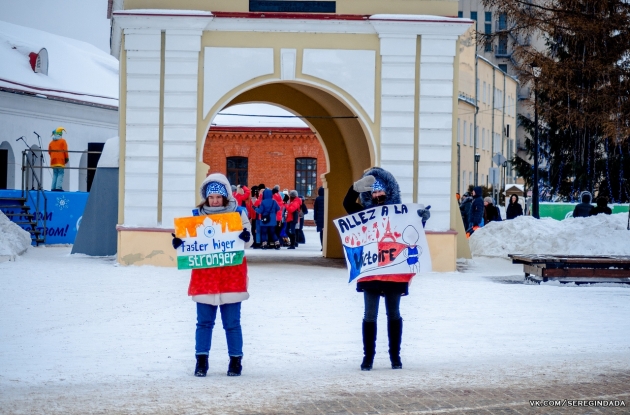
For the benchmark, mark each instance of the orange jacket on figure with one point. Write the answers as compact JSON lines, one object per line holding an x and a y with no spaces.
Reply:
{"x":59,"y":155}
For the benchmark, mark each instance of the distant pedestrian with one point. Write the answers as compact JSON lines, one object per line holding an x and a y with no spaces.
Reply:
{"x":58,"y":152}
{"x":514,"y":208}
{"x":602,"y":207}
{"x":267,"y":211}
{"x":475,"y":215}
{"x":464,"y":208}
{"x":318,"y":214}
{"x":491,"y":213}
{"x":292,"y":209}
{"x":583,"y":210}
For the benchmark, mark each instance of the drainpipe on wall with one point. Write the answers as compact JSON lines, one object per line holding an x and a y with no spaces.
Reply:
{"x":494,"y":94}
{"x":475,"y":164}
{"x":503,"y":149}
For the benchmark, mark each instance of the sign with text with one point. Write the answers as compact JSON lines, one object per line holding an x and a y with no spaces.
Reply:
{"x":384,"y":240}
{"x":210,"y":241}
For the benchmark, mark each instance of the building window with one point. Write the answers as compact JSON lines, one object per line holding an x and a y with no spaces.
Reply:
{"x":483,"y":138}
{"x":460,"y":14}
{"x":502,"y":22}
{"x":458,"y":130}
{"x":470,"y":179}
{"x":484,"y":93}
{"x":465,"y":128}
{"x":237,"y":170}
{"x":503,"y":67}
{"x":488,"y":16}
{"x":473,"y":16}
{"x":488,"y":42}
{"x":502,"y":47}
{"x":306,"y":176}
{"x":472,"y":141}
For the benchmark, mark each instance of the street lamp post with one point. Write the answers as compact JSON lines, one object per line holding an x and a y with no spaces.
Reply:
{"x":535,"y":192}
{"x":477,"y":158}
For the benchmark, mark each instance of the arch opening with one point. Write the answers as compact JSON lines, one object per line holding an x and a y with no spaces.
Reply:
{"x":346,"y":141}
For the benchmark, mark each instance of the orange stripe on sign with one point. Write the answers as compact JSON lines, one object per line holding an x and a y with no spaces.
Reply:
{"x":187,"y":227}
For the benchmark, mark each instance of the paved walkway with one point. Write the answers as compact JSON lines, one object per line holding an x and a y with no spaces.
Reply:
{"x":486,"y":401}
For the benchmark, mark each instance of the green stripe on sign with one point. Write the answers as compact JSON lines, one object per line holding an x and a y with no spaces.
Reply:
{"x":213,"y":260}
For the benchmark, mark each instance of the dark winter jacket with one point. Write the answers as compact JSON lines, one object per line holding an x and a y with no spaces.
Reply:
{"x":491,"y":214}
{"x":268,"y":206}
{"x":513,"y":210}
{"x":475,"y":216}
{"x":583,"y":210}
{"x":318,"y":209}
{"x":392,"y":190}
{"x":464,"y":209}
{"x":602,"y":207}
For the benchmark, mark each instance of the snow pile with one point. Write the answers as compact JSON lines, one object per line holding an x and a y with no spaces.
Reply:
{"x":76,"y":70}
{"x":13,"y":239}
{"x":595,"y":235}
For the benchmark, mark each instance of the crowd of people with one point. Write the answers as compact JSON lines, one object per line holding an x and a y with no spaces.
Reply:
{"x":277,"y":217}
{"x":477,"y":211}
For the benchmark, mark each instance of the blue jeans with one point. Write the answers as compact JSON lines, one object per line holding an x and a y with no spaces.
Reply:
{"x":57,"y":178}
{"x":392,"y":306}
{"x":231,"y":318}
{"x":268,"y":233}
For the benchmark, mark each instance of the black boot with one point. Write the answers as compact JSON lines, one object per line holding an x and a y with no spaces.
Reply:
{"x":394,"y":332}
{"x":235,"y":367}
{"x":202,"y":365}
{"x":369,"y":344}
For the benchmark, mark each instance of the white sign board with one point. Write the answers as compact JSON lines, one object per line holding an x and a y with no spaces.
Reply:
{"x":384,"y":240}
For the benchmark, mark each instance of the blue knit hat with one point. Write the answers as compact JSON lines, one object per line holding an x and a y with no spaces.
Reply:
{"x":378,"y":186}
{"x":216,"y":188}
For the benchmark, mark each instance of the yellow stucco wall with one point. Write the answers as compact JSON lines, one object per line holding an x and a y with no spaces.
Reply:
{"x":433,"y":7}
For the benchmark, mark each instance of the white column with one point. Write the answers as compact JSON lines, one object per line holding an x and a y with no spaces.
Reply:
{"x":398,"y":84}
{"x":437,"y":54}
{"x":180,"y":123}
{"x":143,"y":47}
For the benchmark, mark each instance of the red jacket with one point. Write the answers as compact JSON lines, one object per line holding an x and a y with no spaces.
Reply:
{"x":240,"y":198}
{"x":292,"y":206}
{"x":280,"y":202}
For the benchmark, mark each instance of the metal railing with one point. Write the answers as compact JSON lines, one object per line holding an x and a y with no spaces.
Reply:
{"x":31,"y":178}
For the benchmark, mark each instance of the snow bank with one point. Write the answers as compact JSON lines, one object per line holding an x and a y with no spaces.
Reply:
{"x":596,"y":235}
{"x":13,"y":239}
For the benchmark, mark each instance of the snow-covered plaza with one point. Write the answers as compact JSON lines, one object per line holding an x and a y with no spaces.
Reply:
{"x":82,"y":335}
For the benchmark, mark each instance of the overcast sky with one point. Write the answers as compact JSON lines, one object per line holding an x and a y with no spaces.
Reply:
{"x":84,"y":20}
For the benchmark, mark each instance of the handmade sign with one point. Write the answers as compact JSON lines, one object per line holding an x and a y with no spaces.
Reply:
{"x":210,"y":241}
{"x":384,"y":240}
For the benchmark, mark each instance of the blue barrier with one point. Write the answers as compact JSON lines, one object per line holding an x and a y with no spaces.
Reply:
{"x":65,"y":210}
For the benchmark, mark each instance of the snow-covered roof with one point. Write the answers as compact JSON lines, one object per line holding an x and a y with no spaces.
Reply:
{"x":77,"y":71}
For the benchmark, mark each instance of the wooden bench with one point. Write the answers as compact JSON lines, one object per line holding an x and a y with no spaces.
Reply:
{"x":577,"y":269}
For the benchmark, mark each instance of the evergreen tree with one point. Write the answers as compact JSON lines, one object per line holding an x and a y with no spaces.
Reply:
{"x":583,"y":90}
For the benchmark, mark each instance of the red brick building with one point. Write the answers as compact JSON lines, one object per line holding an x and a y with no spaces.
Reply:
{"x":290,"y":157}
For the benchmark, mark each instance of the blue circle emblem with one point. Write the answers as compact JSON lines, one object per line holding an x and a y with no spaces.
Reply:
{"x":209,"y":232}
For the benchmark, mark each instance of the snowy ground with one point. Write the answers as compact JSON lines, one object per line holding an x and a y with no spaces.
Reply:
{"x":82,"y":335}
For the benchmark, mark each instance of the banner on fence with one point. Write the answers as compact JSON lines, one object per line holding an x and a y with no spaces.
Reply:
{"x":384,"y":240}
{"x":210,"y":241}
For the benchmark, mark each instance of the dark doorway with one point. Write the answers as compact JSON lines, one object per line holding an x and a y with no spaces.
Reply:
{"x":237,"y":170}
{"x":4,"y":168}
{"x":92,"y":161}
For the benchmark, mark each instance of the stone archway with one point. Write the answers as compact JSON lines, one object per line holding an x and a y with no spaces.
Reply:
{"x":347,"y":145}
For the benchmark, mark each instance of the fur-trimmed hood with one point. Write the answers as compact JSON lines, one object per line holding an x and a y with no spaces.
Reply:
{"x":392,"y":190}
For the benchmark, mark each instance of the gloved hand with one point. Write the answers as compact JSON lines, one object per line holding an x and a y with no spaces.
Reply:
{"x":364,"y":184}
{"x":424,"y":214}
{"x":245,"y":235}
{"x":177,"y":242}
{"x":240,"y":190}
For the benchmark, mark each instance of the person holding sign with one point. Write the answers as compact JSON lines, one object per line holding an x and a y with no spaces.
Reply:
{"x":378,"y":188}
{"x":221,"y":287}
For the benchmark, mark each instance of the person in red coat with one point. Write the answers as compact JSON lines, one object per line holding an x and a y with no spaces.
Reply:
{"x":222,"y":288}
{"x":292,"y":207}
